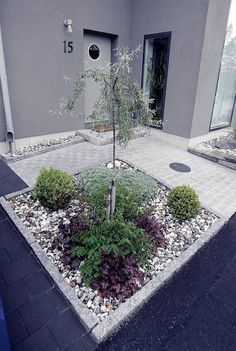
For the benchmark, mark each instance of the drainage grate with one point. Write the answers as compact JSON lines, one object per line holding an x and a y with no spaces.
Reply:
{"x":180,"y":167}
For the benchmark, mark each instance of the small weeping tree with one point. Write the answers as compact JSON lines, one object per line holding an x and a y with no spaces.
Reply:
{"x":121,"y":99}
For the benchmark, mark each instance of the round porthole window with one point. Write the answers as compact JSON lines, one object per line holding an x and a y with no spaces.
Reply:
{"x":94,"y":51}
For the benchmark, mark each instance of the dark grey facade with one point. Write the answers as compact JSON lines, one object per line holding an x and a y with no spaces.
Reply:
{"x":33,"y":34}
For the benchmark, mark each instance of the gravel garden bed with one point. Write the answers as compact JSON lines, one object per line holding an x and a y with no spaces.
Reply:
{"x":220,"y":150}
{"x":225,"y":145}
{"x":44,"y":146}
{"x":46,"y":226}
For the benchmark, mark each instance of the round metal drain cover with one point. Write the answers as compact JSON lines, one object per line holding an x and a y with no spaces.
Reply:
{"x":180,"y":167}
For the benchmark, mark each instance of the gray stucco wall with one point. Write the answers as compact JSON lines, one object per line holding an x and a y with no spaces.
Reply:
{"x":2,"y":118}
{"x":210,"y":64}
{"x":33,"y":35}
{"x":186,"y":20}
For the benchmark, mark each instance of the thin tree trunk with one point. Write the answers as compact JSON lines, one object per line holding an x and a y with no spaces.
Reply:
{"x":113,"y":189}
{"x":114,"y":134}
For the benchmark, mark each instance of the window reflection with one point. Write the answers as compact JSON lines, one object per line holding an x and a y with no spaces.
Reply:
{"x":226,"y":87}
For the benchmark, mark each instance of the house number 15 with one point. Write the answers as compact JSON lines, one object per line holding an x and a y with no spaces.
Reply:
{"x":68,"y":46}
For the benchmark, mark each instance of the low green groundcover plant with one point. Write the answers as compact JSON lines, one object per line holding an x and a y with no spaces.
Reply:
{"x":134,"y":190}
{"x":54,"y":188}
{"x":114,"y":236}
{"x":183,"y":202}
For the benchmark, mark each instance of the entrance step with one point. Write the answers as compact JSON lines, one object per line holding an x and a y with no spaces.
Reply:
{"x":104,"y":138}
{"x":214,"y":156}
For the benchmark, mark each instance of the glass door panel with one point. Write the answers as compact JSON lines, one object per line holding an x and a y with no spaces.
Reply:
{"x":156,"y":55}
{"x":226,"y":86}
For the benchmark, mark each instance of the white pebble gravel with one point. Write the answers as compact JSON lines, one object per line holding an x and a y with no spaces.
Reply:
{"x":43,"y":223}
{"x":43,"y":145}
{"x":225,"y":145}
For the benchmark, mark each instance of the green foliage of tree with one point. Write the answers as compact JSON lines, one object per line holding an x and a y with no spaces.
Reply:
{"x":120,"y":97}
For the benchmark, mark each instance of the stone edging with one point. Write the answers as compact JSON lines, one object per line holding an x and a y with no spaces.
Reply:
{"x":87,"y":317}
{"x":93,"y":139}
{"x":101,"y":330}
{"x":135,"y":302}
{"x":213,"y":156}
{"x":42,"y":151}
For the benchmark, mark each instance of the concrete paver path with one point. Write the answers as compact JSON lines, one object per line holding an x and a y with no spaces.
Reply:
{"x":215,"y":184}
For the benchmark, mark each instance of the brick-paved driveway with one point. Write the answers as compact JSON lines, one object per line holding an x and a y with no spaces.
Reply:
{"x":39,"y":318}
{"x":9,"y":181}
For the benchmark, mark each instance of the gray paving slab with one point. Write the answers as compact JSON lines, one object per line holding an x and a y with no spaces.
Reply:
{"x":215,"y":184}
{"x":72,"y":159}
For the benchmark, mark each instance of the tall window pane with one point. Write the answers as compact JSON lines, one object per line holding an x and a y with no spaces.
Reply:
{"x":226,"y":87}
{"x":155,"y":74}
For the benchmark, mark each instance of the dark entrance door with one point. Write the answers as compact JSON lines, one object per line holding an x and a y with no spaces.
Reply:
{"x":155,"y":69}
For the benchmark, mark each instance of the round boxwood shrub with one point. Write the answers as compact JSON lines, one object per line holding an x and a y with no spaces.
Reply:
{"x":54,"y":188}
{"x":183,"y":202}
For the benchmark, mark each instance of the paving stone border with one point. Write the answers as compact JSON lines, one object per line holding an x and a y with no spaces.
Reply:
{"x":10,"y":159}
{"x":214,"y":156}
{"x":105,"y":138}
{"x":101,"y":330}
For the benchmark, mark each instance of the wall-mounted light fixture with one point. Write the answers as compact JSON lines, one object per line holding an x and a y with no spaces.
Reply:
{"x":68,"y":24}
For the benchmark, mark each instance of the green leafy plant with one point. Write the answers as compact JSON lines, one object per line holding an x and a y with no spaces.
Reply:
{"x":54,"y":188}
{"x":134,"y":190}
{"x":121,"y":103}
{"x":183,"y":202}
{"x":113,"y":236}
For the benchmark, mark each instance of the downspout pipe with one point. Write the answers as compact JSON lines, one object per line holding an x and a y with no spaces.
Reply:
{"x":10,"y":137}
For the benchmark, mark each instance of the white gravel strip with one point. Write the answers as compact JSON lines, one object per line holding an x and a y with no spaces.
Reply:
{"x":43,"y":145}
{"x":225,"y":145}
